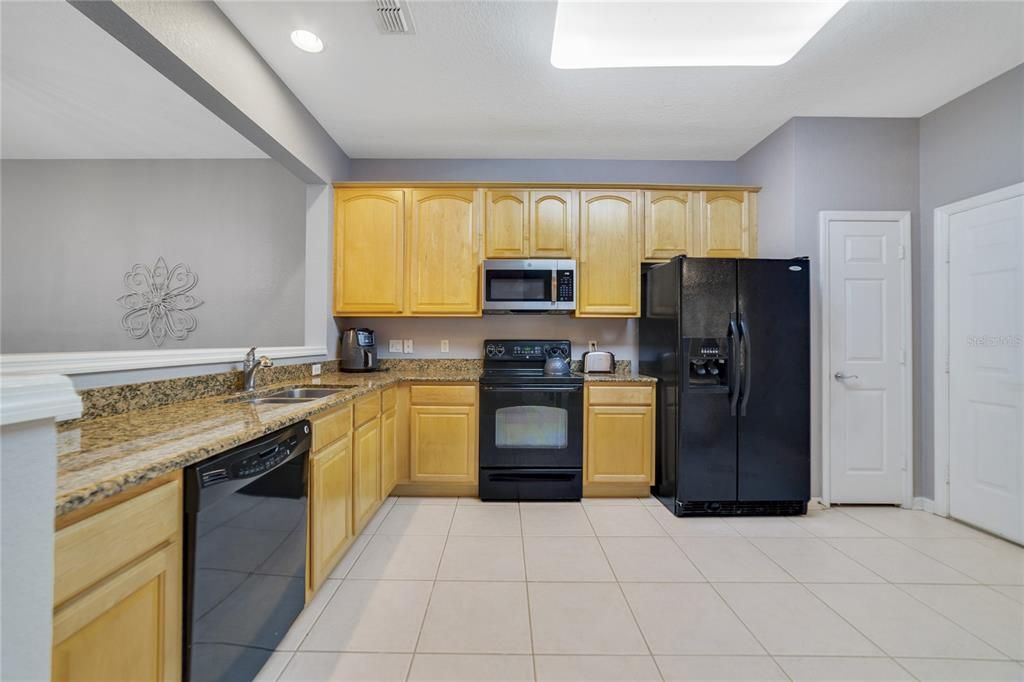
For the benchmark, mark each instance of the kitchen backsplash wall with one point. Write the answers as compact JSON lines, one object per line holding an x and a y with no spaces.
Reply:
{"x":466,"y":335}
{"x":73,"y":228}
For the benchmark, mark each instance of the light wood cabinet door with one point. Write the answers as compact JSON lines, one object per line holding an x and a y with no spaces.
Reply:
{"x":668,"y":224}
{"x":506,"y":222}
{"x":330,"y":508}
{"x":369,"y":252}
{"x":388,"y":451}
{"x":443,"y":443}
{"x":444,"y":256}
{"x":726,"y":224}
{"x":365,"y":473}
{"x":620,"y":444}
{"x":127,"y":627}
{"x":609,"y":258}
{"x":552,"y":224}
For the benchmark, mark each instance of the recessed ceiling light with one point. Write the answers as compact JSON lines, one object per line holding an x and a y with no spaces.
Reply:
{"x":307,"y":41}
{"x":593,"y":34}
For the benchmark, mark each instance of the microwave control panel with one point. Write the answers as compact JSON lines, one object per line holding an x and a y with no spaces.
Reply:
{"x":566,"y":285}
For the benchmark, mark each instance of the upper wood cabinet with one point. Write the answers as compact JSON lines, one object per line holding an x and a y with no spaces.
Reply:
{"x":444,"y":256}
{"x":369,"y":244}
{"x":609,"y":255}
{"x":552,"y":224}
{"x":669,"y":219}
{"x":507,"y":223}
{"x":728,"y":224}
{"x":529,"y":224}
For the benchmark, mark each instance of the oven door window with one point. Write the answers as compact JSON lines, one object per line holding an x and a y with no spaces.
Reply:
{"x":518,"y":285}
{"x":531,"y":426}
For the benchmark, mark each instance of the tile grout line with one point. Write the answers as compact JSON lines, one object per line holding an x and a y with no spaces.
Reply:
{"x":622,"y":591}
{"x":526,"y":586}
{"x":433,"y":586}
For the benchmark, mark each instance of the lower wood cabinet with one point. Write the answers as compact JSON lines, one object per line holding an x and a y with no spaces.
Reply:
{"x":388,"y":451}
{"x":365,"y":472}
{"x":443,"y":442}
{"x":118,"y":589}
{"x":330,"y":507}
{"x":619,"y":439}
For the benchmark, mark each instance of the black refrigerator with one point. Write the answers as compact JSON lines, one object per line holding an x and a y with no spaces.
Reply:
{"x":729,"y":342}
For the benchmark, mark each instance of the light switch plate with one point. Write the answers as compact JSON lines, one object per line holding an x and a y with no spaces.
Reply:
{"x":408,"y":346}
{"x":315,"y":370}
{"x":444,"y":345}
{"x":395,"y":345}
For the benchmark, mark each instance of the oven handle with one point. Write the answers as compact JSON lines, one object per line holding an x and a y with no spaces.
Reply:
{"x":519,"y":388}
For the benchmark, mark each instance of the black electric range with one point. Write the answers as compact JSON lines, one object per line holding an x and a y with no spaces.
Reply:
{"x":531,"y":423}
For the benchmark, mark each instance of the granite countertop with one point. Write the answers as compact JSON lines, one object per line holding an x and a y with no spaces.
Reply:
{"x":104,"y":456}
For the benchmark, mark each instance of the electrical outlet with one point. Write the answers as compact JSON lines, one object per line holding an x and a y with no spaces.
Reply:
{"x":395,"y":345}
{"x":444,"y":345}
{"x":315,"y":370}
{"x":592,"y":345}
{"x":408,"y":346}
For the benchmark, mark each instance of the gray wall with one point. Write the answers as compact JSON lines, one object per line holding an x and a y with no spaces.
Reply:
{"x":847,"y":164}
{"x":969,"y":146}
{"x":544,"y":170}
{"x":816,"y":164}
{"x":772,"y":165}
{"x":71,"y":229}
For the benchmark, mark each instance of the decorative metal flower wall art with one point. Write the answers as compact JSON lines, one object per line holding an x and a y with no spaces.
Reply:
{"x":158,"y":301}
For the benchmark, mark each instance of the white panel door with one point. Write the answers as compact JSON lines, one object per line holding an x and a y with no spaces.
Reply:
{"x":986,"y":367}
{"x":868,"y":423}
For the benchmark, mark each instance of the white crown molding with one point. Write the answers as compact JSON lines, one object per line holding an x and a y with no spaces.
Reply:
{"x":26,"y":398}
{"x":113,"y":361}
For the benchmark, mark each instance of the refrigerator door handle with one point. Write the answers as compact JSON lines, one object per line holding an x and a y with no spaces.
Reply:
{"x":747,"y":365}
{"x":734,"y":365}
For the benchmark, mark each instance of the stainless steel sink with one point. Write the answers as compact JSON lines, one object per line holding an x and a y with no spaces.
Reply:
{"x":296,"y":394}
{"x":312,"y":392}
{"x":270,"y":400}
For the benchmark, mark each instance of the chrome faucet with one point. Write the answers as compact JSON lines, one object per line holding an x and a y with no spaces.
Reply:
{"x":250,"y":365}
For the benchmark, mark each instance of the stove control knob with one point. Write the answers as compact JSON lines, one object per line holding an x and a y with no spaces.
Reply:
{"x":501,"y":351}
{"x":491,"y":350}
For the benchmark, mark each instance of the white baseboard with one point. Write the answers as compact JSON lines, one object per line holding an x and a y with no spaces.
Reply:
{"x":817,"y":503}
{"x":924,"y":504}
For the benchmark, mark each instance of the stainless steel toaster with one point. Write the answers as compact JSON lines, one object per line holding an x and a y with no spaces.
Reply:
{"x":598,"y":362}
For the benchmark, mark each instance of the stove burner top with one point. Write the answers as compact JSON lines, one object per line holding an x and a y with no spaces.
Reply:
{"x":522,"y":361}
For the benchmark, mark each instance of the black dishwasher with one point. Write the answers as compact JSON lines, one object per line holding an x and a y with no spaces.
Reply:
{"x":245,"y":554}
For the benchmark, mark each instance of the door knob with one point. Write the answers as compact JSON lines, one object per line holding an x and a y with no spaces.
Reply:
{"x":843,"y":377}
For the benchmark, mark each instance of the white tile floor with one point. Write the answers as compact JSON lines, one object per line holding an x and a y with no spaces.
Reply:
{"x":452,"y":589}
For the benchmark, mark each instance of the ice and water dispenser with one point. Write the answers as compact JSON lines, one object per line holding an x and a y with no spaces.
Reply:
{"x":708,"y":361}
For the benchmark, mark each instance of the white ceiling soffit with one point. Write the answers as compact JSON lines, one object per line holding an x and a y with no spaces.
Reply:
{"x":70,"y":91}
{"x":476,"y":80}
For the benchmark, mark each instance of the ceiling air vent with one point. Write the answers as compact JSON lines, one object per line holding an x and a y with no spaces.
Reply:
{"x":393,"y":17}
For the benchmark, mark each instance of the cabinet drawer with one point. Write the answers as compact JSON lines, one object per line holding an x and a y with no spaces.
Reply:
{"x":331,"y":426}
{"x":367,"y":408}
{"x":95,"y":547}
{"x":388,"y":398}
{"x":620,"y":395}
{"x":442,"y":395}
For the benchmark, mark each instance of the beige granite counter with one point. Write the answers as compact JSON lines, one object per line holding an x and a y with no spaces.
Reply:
{"x":101,"y":457}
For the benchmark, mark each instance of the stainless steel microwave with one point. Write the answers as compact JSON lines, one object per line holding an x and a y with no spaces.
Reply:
{"x":537,"y":285}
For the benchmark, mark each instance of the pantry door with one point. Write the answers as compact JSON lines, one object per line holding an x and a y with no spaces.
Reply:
{"x":866,"y":368}
{"x":985,"y":417}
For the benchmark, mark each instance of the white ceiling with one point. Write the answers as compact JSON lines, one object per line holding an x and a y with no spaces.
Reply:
{"x":475,"y":80}
{"x":70,"y":91}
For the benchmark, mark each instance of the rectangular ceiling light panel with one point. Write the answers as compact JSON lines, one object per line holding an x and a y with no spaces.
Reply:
{"x":595,"y":34}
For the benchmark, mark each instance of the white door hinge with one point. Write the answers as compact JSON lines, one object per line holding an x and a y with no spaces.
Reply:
{"x":901,"y":252}
{"x":903,"y":356}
